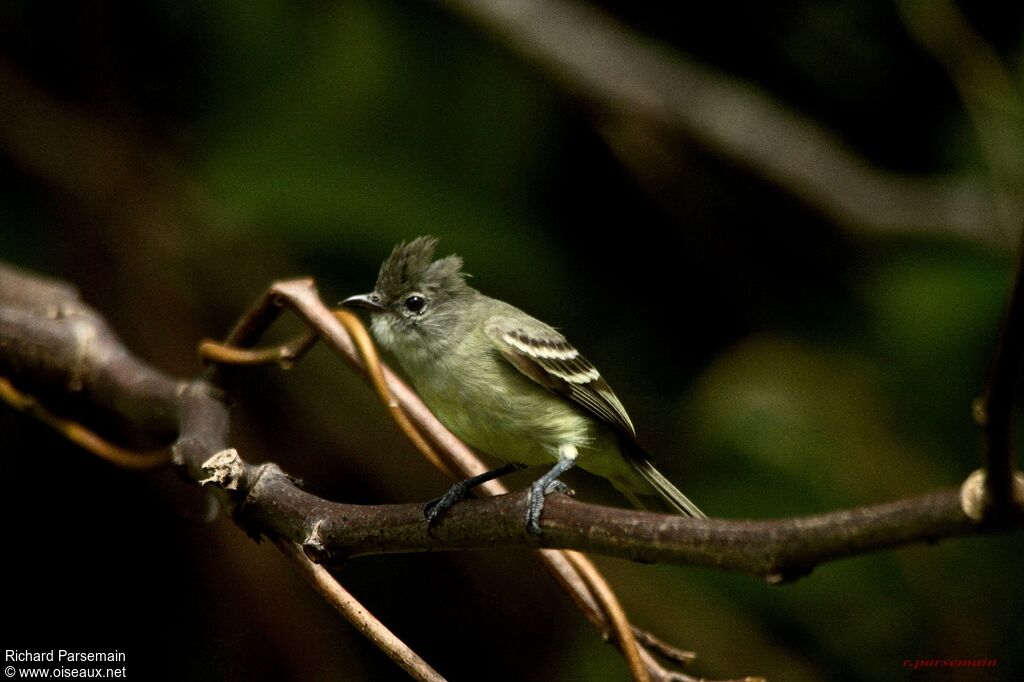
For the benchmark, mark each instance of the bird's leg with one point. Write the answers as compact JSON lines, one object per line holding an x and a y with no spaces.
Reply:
{"x":546,"y":484}
{"x":435,"y":510}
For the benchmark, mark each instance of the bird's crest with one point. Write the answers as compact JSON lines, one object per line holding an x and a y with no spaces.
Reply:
{"x":410,"y":266}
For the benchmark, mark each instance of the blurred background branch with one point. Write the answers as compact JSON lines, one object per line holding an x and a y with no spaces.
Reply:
{"x":990,"y":95}
{"x":641,"y":85}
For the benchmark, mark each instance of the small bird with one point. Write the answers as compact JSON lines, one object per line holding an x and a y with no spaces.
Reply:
{"x":505,"y":383}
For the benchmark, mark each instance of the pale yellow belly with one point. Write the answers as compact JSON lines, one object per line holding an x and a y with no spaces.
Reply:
{"x":513,"y":420}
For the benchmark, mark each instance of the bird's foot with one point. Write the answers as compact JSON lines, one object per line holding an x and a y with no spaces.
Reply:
{"x":560,"y":488}
{"x":436,"y":509}
{"x":535,"y":502}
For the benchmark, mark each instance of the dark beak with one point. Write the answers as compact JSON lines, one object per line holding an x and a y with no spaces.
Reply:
{"x":367,"y":301}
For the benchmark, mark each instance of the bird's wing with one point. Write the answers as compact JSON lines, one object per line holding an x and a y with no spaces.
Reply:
{"x":544,"y":355}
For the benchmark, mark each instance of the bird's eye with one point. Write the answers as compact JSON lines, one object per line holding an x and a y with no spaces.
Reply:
{"x":415,"y":303}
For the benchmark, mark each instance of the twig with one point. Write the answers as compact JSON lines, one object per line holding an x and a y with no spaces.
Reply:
{"x":371,"y":361}
{"x":663,"y":649}
{"x":229,"y":355}
{"x":354,"y":612}
{"x":560,"y":568}
{"x":600,"y":588}
{"x":81,"y":436}
{"x":284,"y":355}
{"x":994,"y":410}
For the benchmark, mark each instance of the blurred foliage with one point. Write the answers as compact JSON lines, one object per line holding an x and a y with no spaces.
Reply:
{"x":774,"y":363}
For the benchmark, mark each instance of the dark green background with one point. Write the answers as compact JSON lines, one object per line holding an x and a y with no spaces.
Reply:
{"x":184,"y":155}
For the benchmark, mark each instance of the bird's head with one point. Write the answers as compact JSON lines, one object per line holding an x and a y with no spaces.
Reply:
{"x":415,"y":295}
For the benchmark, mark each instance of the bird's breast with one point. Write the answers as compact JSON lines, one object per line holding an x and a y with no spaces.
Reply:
{"x":497,"y":410}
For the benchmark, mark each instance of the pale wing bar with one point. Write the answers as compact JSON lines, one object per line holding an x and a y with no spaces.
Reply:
{"x":548,"y":358}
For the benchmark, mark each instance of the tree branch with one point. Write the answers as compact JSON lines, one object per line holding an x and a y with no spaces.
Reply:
{"x":775,"y":550}
{"x":60,"y":351}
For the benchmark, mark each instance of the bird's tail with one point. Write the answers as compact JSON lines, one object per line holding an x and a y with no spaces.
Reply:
{"x":670,"y":494}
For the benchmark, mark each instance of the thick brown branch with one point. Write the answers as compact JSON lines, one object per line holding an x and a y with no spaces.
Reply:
{"x":775,"y":550}
{"x":60,"y":351}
